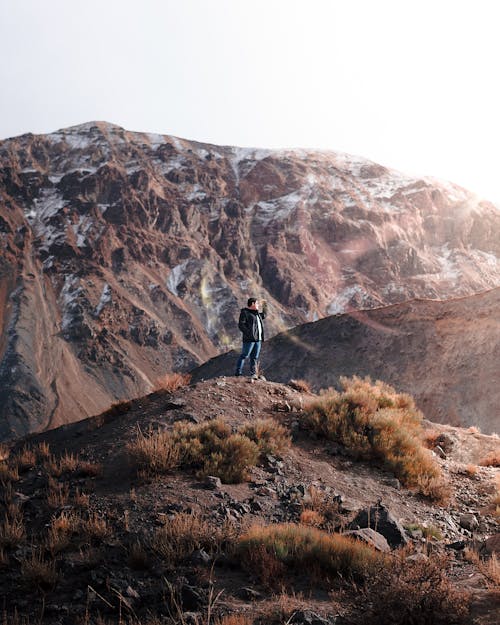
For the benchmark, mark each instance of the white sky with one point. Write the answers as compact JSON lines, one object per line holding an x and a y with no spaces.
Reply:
{"x":413,"y":85}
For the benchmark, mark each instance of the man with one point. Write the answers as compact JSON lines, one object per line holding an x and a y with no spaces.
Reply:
{"x":250,"y":324}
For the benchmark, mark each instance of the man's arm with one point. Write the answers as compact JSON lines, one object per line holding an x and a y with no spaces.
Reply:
{"x":242,"y":323}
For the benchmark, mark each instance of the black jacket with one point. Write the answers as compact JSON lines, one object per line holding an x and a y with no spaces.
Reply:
{"x":248,"y":324}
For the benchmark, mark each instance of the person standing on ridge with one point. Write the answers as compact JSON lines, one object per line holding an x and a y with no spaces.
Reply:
{"x":252,"y":326}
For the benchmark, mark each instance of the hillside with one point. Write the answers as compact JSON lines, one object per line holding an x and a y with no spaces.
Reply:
{"x":445,"y":354}
{"x":112,"y":564}
{"x":125,"y":255}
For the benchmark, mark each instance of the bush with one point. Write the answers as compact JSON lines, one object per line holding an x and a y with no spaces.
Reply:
{"x":300,"y":385}
{"x":173,"y":381}
{"x":306,"y":549}
{"x":185,"y":533}
{"x":375,"y":423}
{"x":270,"y":436}
{"x":417,"y":593}
{"x":491,"y":460}
{"x":154,"y":452}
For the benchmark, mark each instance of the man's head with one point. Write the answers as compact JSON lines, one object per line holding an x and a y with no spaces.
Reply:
{"x":252,"y":303}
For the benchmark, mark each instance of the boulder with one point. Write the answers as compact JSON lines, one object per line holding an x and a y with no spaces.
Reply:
{"x":382,"y":521}
{"x":370,"y":537}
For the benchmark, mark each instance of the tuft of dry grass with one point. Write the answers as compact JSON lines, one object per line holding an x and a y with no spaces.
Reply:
{"x":154,"y":452}
{"x":374,"y":422}
{"x":26,"y":459}
{"x":37,"y":571}
{"x":138,"y":557}
{"x":234,"y":619}
{"x":300,"y":385}
{"x":270,"y":436}
{"x":8,"y":472}
{"x":61,"y":530}
{"x":95,"y":526}
{"x":172,"y":381}
{"x":42,"y":451}
{"x":311,"y":518}
{"x":185,"y":533}
{"x":12,"y":529}
{"x":326,"y":506}
{"x":57,"y":494}
{"x":415,"y":592}
{"x":307,"y":549}
{"x":491,"y":460}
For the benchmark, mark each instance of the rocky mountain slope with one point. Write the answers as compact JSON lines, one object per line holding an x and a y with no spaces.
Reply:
{"x":91,"y":524}
{"x":445,"y":354}
{"x":128,"y":254}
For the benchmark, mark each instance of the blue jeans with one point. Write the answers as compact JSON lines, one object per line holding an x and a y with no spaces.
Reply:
{"x":251,"y":349}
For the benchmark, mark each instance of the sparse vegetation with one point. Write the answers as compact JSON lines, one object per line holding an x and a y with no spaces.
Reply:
{"x":270,"y":436}
{"x":306,"y":549}
{"x":428,"y":531}
{"x":491,"y":460}
{"x":38,"y":571}
{"x":185,"y":533}
{"x":173,"y":381}
{"x":417,"y":592}
{"x":374,"y":422}
{"x":300,"y":385}
{"x":12,"y":528}
{"x":209,"y":448}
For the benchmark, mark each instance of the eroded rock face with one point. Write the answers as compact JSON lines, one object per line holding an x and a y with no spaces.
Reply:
{"x":125,"y":255}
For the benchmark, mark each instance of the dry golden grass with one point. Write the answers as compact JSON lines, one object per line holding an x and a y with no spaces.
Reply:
{"x":185,"y":533}
{"x":61,"y":530}
{"x":172,"y":381}
{"x":37,"y":571}
{"x":8,"y":472}
{"x":86,"y":468}
{"x":81,"y":499}
{"x":57,"y":494}
{"x":154,"y":452}
{"x":300,"y":385}
{"x":311,"y":518}
{"x":303,"y":549}
{"x":138,"y":557}
{"x":12,"y":529}
{"x":270,"y":436}
{"x":418,"y":592}
{"x":376,"y":423}
{"x":471,"y":470}
{"x":42,"y":451}
{"x":491,"y":460}
{"x":95,"y":526}
{"x":26,"y":459}
{"x":326,"y":506}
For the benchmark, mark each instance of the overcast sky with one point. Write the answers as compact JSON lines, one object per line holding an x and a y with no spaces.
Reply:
{"x":413,"y":85}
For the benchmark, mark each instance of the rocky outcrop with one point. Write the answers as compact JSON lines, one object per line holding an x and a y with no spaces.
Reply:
{"x":128,"y":254}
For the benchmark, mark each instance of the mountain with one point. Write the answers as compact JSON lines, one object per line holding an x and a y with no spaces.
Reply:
{"x":445,"y":354}
{"x":125,"y":255}
{"x":86,"y":537}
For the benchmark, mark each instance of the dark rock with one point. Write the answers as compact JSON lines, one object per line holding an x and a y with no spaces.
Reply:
{"x":212,"y":482}
{"x":200,"y":557}
{"x":307,"y":617}
{"x":381,"y":520}
{"x":248,"y":594}
{"x":469,"y":521}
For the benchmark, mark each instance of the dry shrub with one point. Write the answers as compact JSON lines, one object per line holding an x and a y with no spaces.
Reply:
{"x":300,"y":385}
{"x":61,"y":530}
{"x":42,"y":451}
{"x":8,"y":472}
{"x":488,"y":566}
{"x":491,"y":460}
{"x":302,"y":549}
{"x":471,"y":470}
{"x":328,"y":507}
{"x":138,"y":557}
{"x":265,"y":565}
{"x":270,"y":436}
{"x":86,"y":468}
{"x":185,"y":533}
{"x":57,"y":494}
{"x":212,"y":449}
{"x":38,"y":571}
{"x":374,"y":422}
{"x":4,"y":452}
{"x":435,"y":488}
{"x":154,"y":452}
{"x":173,"y":381}
{"x":81,"y":499}
{"x":415,"y":592}
{"x":26,"y":459}
{"x":95,"y":526}
{"x":311,"y":518}
{"x":12,"y":530}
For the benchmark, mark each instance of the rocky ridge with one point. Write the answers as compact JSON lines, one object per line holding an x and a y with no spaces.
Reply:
{"x":445,"y":354}
{"x":128,"y":254}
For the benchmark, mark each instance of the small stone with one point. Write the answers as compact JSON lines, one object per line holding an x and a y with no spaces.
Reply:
{"x":212,"y":482}
{"x":417,"y":557}
{"x":370,"y":537}
{"x":469,"y":521}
